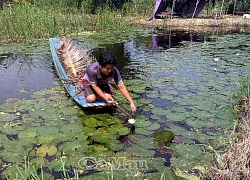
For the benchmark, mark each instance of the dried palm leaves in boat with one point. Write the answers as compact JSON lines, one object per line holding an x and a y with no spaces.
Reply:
{"x":74,"y":59}
{"x":70,"y":61}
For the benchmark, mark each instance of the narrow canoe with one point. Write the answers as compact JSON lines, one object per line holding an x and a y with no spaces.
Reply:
{"x":70,"y":88}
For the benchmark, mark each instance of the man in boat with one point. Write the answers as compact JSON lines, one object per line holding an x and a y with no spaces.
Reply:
{"x":97,"y":76}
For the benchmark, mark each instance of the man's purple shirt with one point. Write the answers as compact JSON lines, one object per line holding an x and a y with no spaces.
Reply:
{"x":92,"y":75}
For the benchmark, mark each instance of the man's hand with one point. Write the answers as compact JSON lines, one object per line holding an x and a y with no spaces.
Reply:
{"x":133,"y":107}
{"x":111,"y":101}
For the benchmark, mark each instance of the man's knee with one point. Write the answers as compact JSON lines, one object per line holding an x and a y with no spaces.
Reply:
{"x":91,"y":98}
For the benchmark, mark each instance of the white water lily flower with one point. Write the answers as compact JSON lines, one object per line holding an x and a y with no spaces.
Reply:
{"x":131,"y":121}
{"x":216,"y":59}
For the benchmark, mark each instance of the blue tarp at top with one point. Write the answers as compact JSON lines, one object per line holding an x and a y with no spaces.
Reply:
{"x":182,"y":8}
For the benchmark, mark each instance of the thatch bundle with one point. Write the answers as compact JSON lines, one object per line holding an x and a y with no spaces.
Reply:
{"x":74,"y":59}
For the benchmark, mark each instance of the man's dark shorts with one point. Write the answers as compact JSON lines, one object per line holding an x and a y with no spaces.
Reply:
{"x":88,"y":90}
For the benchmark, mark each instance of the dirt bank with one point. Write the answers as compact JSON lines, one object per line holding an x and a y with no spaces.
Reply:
{"x":227,"y":21}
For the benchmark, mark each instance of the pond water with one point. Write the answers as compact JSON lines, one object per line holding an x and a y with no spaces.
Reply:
{"x":174,"y":78}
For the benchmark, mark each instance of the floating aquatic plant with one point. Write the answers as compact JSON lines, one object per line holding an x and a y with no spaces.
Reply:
{"x":140,"y":151}
{"x":46,"y":150}
{"x":163,"y":138}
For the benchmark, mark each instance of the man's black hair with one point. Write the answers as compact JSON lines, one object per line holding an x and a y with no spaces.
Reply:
{"x":107,"y":57}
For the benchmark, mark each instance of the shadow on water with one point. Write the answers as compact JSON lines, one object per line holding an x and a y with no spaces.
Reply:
{"x":20,"y":75}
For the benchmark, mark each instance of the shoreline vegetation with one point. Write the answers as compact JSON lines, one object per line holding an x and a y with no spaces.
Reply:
{"x":234,"y":161}
{"x":25,"y":23}
{"x":20,"y":22}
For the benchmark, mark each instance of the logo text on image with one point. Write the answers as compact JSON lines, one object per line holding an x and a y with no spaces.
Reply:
{"x":120,"y":163}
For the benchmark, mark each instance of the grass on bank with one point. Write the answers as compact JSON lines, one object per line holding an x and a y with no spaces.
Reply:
{"x":19,"y":22}
{"x":24,"y":23}
{"x":234,"y":161}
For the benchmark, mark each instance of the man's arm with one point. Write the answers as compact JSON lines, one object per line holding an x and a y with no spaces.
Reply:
{"x":126,"y":94}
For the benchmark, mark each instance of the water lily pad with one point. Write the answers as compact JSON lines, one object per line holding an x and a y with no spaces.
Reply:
{"x":27,"y":104}
{"x":102,"y":136}
{"x":99,"y":151}
{"x":52,"y":150}
{"x":5,"y":117}
{"x":118,"y":128}
{"x":42,"y":151}
{"x":3,"y":138}
{"x":181,"y":163}
{"x":68,"y":111}
{"x":143,"y":131}
{"x":159,"y":111}
{"x":147,"y":143}
{"x":142,"y":123}
{"x":56,"y":164}
{"x":89,"y":131}
{"x":153,"y":127}
{"x":104,"y":117}
{"x":8,"y":172}
{"x":45,"y":139}
{"x":50,"y":115}
{"x":80,"y":137}
{"x":163,"y":138}
{"x":10,"y":156}
{"x":188,"y":151}
{"x":36,"y":114}
{"x":99,"y":176}
{"x":11,"y":130}
{"x":47,"y":130}
{"x":114,"y":145}
{"x":75,"y":146}
{"x":144,"y":101}
{"x":177,"y":116}
{"x":27,"y":134}
{"x":153,"y":95}
{"x":183,"y":131}
{"x":90,"y":122}
{"x":71,"y":128}
{"x":189,"y":156}
{"x":10,"y":105}
{"x":140,"y":151}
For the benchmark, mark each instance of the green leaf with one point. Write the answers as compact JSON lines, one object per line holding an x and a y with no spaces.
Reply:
{"x":147,"y":143}
{"x":27,"y":134}
{"x":102,"y":136}
{"x":153,"y":127}
{"x":163,"y":138}
{"x":5,"y":117}
{"x":47,"y":130}
{"x":140,"y":151}
{"x":71,"y":128}
{"x":114,"y":145}
{"x":143,"y":131}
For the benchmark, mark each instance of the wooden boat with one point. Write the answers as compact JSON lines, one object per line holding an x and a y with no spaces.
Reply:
{"x":70,"y":61}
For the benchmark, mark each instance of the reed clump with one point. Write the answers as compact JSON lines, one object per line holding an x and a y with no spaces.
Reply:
{"x":21,"y":22}
{"x":44,"y":19}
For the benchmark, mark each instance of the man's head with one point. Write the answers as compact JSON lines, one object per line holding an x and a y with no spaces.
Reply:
{"x":107,"y":61}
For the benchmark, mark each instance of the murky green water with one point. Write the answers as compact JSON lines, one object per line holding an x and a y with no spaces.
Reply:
{"x":175,"y":81}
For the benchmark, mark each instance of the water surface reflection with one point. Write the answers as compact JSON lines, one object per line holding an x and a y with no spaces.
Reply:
{"x":20,"y":75}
